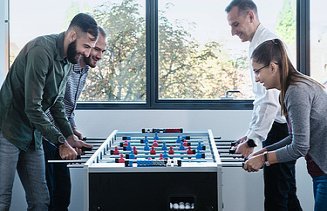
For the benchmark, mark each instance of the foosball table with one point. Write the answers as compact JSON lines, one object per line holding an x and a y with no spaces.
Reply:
{"x":153,"y":170}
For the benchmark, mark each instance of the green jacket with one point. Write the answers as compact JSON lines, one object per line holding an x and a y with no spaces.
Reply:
{"x":35,"y":84}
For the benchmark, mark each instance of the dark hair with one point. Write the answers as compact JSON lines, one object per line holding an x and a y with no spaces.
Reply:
{"x":243,"y":6}
{"x":101,"y":31}
{"x":274,"y":51}
{"x":85,"y":23}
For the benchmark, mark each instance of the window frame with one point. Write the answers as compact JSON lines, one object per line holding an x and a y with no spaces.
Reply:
{"x":152,"y":80}
{"x":152,"y":98}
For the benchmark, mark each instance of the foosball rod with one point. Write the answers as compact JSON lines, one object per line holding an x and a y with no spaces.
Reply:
{"x":93,"y":139}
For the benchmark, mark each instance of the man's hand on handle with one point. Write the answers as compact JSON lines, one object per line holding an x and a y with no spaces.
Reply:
{"x":244,"y":149}
{"x":66,"y":152}
{"x":72,"y":148}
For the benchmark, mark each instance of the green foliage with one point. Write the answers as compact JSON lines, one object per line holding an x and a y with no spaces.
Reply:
{"x":120,"y":76}
{"x":187,"y":70}
{"x":286,"y":26}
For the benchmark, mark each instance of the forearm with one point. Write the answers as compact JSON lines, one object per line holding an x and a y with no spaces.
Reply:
{"x":280,"y":144}
{"x":58,"y":113}
{"x":41,"y":122}
{"x":271,"y":157}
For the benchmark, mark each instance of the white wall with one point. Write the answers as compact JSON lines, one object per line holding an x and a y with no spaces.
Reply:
{"x":228,"y":124}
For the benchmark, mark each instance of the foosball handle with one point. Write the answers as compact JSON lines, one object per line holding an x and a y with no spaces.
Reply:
{"x":86,"y":149}
{"x":243,"y":163}
{"x":93,"y":139}
{"x":232,"y":150}
{"x":233,"y":145}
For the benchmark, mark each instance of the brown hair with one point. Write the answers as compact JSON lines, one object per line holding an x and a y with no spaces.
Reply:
{"x":274,"y":51}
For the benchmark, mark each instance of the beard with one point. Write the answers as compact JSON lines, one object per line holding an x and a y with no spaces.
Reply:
{"x":88,"y":61}
{"x":72,"y":53}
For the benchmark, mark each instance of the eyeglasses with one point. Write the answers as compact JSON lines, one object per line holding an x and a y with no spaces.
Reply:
{"x":257,"y":71}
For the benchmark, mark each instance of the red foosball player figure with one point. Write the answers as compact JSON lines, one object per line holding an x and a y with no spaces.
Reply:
{"x":185,"y":143}
{"x":135,"y":150}
{"x":152,"y":151}
{"x":125,"y":143}
{"x":190,"y":151}
{"x":116,"y":151}
{"x":155,"y":143}
{"x":171,"y":150}
{"x":121,"y":159}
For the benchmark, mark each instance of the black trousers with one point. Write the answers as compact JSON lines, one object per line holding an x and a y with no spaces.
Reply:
{"x":279,"y":179}
{"x":58,"y":179}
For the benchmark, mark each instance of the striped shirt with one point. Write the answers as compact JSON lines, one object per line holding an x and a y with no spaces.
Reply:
{"x":74,"y":87}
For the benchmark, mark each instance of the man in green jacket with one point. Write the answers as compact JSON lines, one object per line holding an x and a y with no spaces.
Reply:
{"x":35,"y":84}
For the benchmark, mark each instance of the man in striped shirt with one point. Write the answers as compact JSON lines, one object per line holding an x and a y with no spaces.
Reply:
{"x":57,"y":175}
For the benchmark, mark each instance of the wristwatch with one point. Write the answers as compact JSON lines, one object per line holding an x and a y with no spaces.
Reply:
{"x":265,"y":155}
{"x":251,"y":143}
{"x":61,"y":140}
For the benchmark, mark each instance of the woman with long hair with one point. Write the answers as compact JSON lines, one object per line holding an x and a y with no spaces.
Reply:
{"x":304,"y":104}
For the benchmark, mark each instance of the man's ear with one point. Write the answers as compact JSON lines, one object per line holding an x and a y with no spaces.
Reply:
{"x":251,"y":15}
{"x":72,"y":36}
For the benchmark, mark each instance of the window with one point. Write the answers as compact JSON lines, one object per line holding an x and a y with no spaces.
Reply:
{"x":198,"y":57}
{"x":121,"y":74}
{"x":318,"y":41}
{"x":160,"y":53}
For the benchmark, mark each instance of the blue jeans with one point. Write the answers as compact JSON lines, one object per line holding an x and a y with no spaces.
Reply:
{"x":320,"y":192}
{"x":31,"y":171}
{"x":58,"y":179}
